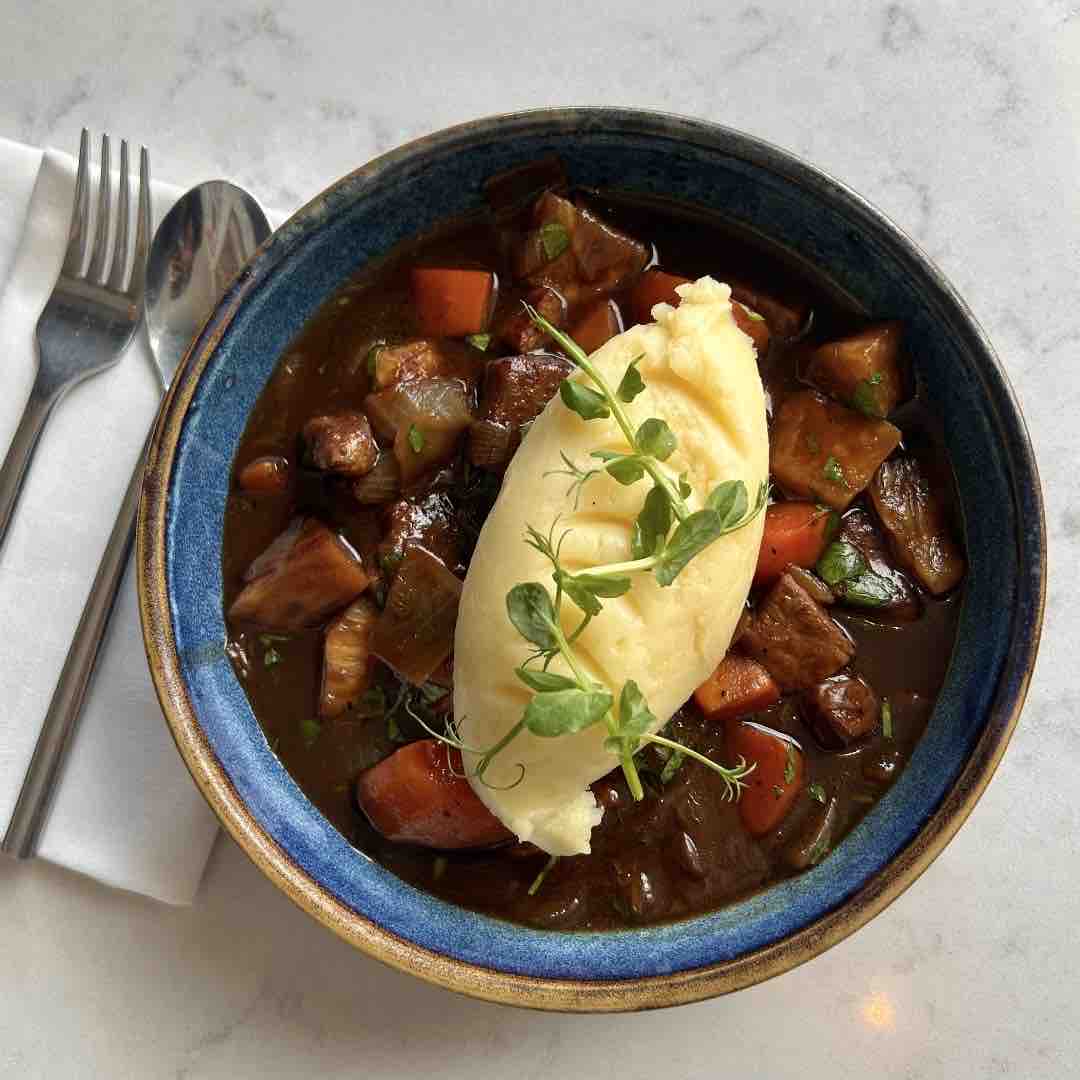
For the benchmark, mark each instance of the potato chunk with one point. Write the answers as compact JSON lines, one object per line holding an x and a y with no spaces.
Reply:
{"x":862,"y":370}
{"x":346,"y":672}
{"x":305,"y":575}
{"x":822,"y":450}
{"x":915,"y":521}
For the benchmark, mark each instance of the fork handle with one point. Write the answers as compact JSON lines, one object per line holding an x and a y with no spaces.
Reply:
{"x":21,"y":451}
{"x":35,"y":797}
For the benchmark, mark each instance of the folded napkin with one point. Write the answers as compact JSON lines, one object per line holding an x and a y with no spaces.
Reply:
{"x":126,"y":811}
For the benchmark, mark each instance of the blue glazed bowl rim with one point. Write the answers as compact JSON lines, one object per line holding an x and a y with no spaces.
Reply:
{"x":576,"y":994}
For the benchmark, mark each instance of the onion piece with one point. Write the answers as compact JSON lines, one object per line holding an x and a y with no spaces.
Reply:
{"x":415,"y":631}
{"x":381,"y":485}
{"x":491,"y":444}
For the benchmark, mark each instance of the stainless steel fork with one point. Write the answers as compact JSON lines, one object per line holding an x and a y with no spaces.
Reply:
{"x":88,"y":322}
{"x":94,"y":309}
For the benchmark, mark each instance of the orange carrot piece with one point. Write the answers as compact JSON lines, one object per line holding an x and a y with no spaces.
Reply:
{"x":737,"y":687}
{"x":778,"y":778}
{"x":414,"y":797}
{"x":452,"y":303}
{"x":652,"y":288}
{"x":752,"y":325}
{"x":795,"y":532}
{"x":599,"y":324}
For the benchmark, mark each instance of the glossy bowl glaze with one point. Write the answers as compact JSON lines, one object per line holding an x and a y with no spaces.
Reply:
{"x":180,"y":576}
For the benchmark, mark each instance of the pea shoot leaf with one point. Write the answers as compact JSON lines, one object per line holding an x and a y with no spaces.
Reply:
{"x":587,"y":403}
{"x":533,"y":615}
{"x":543,"y":681}
{"x":690,"y":538}
{"x":729,"y":501}
{"x":652,"y":524}
{"x":632,"y":383}
{"x":625,"y":468}
{"x":635,"y":716}
{"x":656,"y":439}
{"x":563,"y":712}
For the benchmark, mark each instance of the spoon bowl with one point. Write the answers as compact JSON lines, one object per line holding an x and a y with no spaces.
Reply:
{"x":202,"y":243}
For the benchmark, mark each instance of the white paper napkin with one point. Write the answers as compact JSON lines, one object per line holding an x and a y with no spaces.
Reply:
{"x":126,"y":811}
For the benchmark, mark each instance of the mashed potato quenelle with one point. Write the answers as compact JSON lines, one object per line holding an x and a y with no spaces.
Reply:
{"x":701,"y":376}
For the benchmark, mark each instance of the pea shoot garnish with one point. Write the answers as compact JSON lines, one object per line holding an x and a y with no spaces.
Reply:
{"x":666,"y":536}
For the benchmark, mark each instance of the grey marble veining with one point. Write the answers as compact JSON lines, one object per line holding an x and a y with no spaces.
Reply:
{"x":960,"y":120}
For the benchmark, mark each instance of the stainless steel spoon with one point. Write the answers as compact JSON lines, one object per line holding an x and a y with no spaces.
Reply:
{"x":199,"y":247}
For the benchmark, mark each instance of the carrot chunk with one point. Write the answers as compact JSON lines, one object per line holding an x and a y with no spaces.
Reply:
{"x":652,"y":288}
{"x":418,"y":796}
{"x":778,"y":778}
{"x":452,"y":303}
{"x":599,"y":324}
{"x":795,"y":532}
{"x":737,"y":687}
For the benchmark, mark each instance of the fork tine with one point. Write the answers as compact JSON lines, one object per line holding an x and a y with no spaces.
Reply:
{"x":96,"y":272}
{"x":80,"y":212}
{"x":142,"y":228}
{"x":120,"y":244}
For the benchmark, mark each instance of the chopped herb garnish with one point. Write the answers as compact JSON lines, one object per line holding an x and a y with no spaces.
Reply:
{"x":393,"y":731}
{"x":673,"y":764}
{"x":416,"y":439}
{"x":819,"y":850}
{"x":534,"y":888}
{"x":432,"y":692}
{"x":789,"y":763}
{"x":865,"y":399}
{"x":310,"y":730}
{"x":886,"y":718}
{"x":271,"y":657}
{"x":833,"y":473}
{"x":554,"y":239}
{"x":479,"y":341}
{"x":840,"y":562}
{"x":817,"y":793}
{"x":438,"y":867}
{"x":867,"y":590}
{"x":373,"y":359}
{"x":371,"y":703}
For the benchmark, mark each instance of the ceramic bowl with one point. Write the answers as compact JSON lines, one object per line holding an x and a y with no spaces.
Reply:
{"x":180,"y":577}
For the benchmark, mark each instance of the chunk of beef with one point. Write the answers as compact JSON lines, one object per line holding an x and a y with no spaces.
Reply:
{"x":786,"y":318}
{"x":597,"y":325}
{"x":862,"y":370}
{"x":346,"y":672}
{"x":914,"y":517}
{"x":341,"y":443}
{"x":577,"y":252}
{"x":517,"y":330}
{"x":516,"y":388}
{"x":898,"y":599}
{"x":304,"y":576}
{"x":841,"y":711}
{"x":793,"y":636}
{"x":427,"y":521}
{"x":825,"y":451}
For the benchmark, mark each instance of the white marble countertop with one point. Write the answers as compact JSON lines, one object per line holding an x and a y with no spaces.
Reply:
{"x":960,"y":121}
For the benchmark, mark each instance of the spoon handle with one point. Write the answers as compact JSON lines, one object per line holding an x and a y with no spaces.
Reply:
{"x":35,"y":797}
